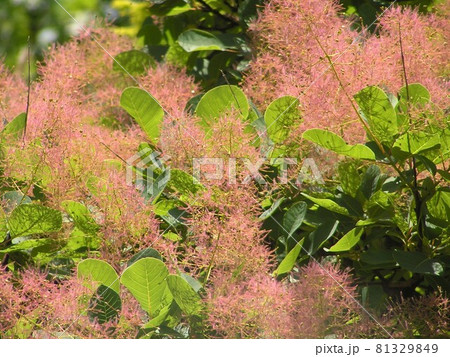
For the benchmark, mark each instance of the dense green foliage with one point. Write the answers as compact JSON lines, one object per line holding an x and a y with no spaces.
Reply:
{"x":151,"y":246}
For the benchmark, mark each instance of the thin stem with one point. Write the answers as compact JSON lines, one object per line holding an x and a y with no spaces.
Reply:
{"x":412,"y":160}
{"x":29,"y":90}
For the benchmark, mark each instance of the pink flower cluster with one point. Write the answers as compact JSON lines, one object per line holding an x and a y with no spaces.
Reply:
{"x":290,"y":60}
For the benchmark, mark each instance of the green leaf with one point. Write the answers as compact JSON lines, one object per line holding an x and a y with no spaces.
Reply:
{"x":81,"y":216}
{"x":289,"y":260}
{"x":133,"y":62}
{"x":378,"y":258}
{"x":158,"y":320}
{"x":219,"y":5}
{"x":418,"y":96}
{"x":317,"y":238}
{"x":194,"y":40}
{"x":219,"y":100}
{"x":169,"y":8}
{"x":12,"y":199}
{"x":280,"y":116}
{"x":348,"y":241}
{"x":417,"y":262}
{"x":333,"y":142}
{"x":145,"y":253}
{"x":267,"y":213}
{"x":105,"y":305}
{"x":377,"y":110}
{"x":162,"y":207}
{"x":144,"y":109}
{"x":369,"y":184}
{"x":184,"y":184}
{"x":100,"y":272}
{"x":16,"y":126}
{"x":146,"y":280}
{"x":328,"y":204}
{"x":294,"y":216}
{"x":3,"y":225}
{"x":417,"y":142}
{"x":439,"y":205}
{"x":184,"y":295}
{"x":33,"y":219}
{"x":194,"y":283}
{"x":80,"y":240}
{"x":28,"y":244}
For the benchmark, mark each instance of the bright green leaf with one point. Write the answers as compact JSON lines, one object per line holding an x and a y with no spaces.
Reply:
{"x":100,"y":272}
{"x":348,"y":241}
{"x":16,"y":126}
{"x":333,"y":142}
{"x":144,"y":109}
{"x":270,"y":211}
{"x":146,"y":280}
{"x":219,"y":100}
{"x":81,"y":216}
{"x":378,"y":111}
{"x":184,"y":295}
{"x":280,"y":116}
{"x":289,"y":260}
{"x":33,"y":219}
{"x":328,"y":204}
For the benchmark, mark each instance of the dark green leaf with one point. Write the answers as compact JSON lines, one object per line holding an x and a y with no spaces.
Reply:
{"x":418,"y":262}
{"x":145,"y":253}
{"x":294,"y":216}
{"x":105,"y":305}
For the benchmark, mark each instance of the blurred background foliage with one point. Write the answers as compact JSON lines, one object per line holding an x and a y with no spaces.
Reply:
{"x":218,"y":48}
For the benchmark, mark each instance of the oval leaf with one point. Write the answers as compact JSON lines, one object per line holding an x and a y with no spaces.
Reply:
{"x":33,"y":219}
{"x":280,"y":116}
{"x":333,"y":142}
{"x":198,"y":40}
{"x":146,"y":280}
{"x":418,"y":262}
{"x":184,"y":295}
{"x":328,"y":204}
{"x":144,"y":109}
{"x":100,"y":272}
{"x":105,"y":305}
{"x":219,"y":100}
{"x":377,"y":109}
{"x":16,"y":126}
{"x":133,"y":62}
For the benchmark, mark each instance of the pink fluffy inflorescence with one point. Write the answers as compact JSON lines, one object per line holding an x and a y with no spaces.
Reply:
{"x":293,"y":39}
{"x":320,"y":303}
